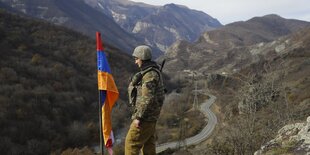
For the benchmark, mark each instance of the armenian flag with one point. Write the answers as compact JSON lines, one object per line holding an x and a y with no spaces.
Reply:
{"x":108,"y":94}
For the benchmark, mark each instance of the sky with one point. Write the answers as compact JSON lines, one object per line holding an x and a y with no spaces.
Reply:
{"x":228,"y":11}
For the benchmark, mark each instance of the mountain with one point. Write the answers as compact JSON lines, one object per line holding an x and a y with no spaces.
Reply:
{"x":48,"y":87}
{"x":123,"y":24}
{"x":159,"y":26}
{"x":173,"y":22}
{"x":268,"y":92}
{"x":125,"y":13}
{"x":227,"y":49}
{"x":77,"y":15}
{"x":258,"y":69}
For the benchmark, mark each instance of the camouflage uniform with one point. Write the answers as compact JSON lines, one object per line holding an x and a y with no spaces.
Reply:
{"x":150,"y":96}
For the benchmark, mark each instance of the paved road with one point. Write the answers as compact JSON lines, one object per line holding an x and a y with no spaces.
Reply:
{"x":205,"y":132}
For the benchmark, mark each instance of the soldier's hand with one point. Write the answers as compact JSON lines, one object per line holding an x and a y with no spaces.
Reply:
{"x":136,"y":123}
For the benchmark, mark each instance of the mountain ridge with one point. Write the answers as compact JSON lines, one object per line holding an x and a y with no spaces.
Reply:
{"x":171,"y":22}
{"x":123,"y":24}
{"x":75,"y":12}
{"x":228,"y":42}
{"x":269,"y":91}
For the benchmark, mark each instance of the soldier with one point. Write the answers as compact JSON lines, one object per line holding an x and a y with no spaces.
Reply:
{"x":146,"y":95}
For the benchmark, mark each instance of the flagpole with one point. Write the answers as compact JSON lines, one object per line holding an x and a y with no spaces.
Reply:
{"x":100,"y":124}
{"x":98,"y":40}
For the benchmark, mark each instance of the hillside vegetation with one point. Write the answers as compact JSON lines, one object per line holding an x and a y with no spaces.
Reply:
{"x":48,"y":87}
{"x":257,"y":101}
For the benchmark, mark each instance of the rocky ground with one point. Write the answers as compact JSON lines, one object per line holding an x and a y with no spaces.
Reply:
{"x":291,"y":139}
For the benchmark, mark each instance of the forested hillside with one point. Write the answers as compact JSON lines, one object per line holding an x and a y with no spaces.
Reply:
{"x":48,"y":87}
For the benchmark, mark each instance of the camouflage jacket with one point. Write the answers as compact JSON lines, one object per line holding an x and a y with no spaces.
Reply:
{"x":149,"y":92}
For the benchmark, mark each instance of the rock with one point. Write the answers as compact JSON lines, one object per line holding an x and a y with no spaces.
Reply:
{"x":296,"y":137}
{"x":259,"y":152}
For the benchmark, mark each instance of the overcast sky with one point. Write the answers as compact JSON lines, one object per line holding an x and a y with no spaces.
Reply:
{"x":228,"y":11}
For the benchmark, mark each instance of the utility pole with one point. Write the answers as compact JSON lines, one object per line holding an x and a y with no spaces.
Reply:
{"x":182,"y":134}
{"x":195,"y":104}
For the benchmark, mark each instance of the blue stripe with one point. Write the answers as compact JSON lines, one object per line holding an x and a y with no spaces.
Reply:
{"x":102,"y":62}
{"x":103,"y":94}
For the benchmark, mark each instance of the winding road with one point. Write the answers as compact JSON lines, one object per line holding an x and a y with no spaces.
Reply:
{"x":203,"y":135}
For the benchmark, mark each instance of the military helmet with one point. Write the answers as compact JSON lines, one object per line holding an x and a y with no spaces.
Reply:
{"x":143,"y":52}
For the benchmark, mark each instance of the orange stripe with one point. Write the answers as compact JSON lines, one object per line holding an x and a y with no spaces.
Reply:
{"x":106,"y":124}
{"x":106,"y":82}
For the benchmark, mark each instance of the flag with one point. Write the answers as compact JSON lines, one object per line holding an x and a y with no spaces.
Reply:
{"x":108,"y":93}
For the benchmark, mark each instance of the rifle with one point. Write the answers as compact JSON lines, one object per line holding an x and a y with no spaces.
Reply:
{"x":162,"y":65}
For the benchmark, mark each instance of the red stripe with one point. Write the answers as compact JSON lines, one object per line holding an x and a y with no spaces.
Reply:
{"x":99,"y":43}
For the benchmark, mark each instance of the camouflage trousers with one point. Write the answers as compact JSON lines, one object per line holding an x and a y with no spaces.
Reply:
{"x":141,"y":139}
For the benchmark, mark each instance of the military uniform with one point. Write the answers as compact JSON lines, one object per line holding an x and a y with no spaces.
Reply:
{"x":147,"y":106}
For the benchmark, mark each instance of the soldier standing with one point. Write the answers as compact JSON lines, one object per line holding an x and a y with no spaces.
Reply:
{"x":146,"y":95}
